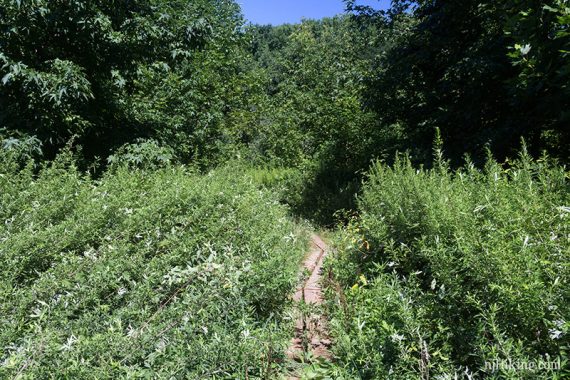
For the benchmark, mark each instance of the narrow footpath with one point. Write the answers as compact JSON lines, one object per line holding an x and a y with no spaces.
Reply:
{"x":311,"y":340}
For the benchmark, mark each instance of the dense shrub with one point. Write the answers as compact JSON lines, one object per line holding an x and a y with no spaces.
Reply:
{"x":162,"y":274}
{"x":143,"y":154}
{"x":111,"y":72}
{"x":19,"y":151}
{"x":444,"y":271}
{"x":485,"y":72}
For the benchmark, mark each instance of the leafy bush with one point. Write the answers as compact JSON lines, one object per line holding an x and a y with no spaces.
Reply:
{"x":119,"y":71}
{"x":144,"y":154}
{"x":19,"y":151}
{"x":444,"y":271}
{"x":162,"y":274}
{"x":486,"y":72}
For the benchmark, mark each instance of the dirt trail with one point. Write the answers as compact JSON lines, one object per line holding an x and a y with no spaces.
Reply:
{"x":310,"y":330}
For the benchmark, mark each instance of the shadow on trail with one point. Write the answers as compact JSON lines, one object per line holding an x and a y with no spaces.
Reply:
{"x":326,"y":196}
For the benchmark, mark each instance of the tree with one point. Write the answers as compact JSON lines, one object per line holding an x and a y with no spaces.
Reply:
{"x":112,"y":71}
{"x":541,"y":54}
{"x":459,"y":66}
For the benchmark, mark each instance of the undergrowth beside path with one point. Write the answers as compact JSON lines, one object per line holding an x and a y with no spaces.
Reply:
{"x":142,"y":274}
{"x":446,"y":272}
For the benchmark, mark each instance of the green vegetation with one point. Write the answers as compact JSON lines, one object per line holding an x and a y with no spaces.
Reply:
{"x":111,"y":72}
{"x":159,"y":160}
{"x":484,"y":72}
{"x":142,"y":274}
{"x":446,"y":270}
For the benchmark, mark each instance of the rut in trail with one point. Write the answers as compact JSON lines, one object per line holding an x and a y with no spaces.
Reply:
{"x":311,"y":330}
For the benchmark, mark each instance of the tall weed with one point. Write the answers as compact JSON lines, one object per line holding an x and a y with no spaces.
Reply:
{"x":444,"y":271}
{"x":142,"y":274}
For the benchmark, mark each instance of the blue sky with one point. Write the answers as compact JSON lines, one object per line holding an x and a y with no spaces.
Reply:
{"x":290,"y":11}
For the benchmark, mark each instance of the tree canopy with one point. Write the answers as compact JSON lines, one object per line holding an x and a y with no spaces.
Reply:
{"x":109,"y":72}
